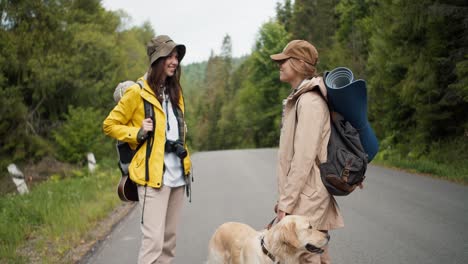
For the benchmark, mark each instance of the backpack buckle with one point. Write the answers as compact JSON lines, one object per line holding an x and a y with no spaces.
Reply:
{"x":345,"y":175}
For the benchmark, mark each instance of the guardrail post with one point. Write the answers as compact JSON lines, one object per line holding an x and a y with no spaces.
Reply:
{"x":18,"y":178}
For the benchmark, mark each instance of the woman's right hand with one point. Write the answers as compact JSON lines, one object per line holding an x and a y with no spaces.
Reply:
{"x":280,"y":215}
{"x":147,"y":125}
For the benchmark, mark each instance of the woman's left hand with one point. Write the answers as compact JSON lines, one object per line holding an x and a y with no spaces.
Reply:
{"x":147,"y":125}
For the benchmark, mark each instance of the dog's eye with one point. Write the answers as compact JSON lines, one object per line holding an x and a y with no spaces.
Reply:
{"x":310,"y":227}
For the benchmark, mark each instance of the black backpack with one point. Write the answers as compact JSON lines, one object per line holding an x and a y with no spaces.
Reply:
{"x":346,"y":163}
{"x":127,"y":189}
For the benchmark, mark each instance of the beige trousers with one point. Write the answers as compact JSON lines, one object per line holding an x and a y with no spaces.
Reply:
{"x":161,"y":215}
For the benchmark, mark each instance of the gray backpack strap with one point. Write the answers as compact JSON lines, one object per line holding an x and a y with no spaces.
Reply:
{"x":180,"y":122}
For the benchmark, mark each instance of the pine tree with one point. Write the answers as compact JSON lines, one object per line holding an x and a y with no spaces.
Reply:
{"x":351,"y":39}
{"x":260,"y":95}
{"x":208,"y":133}
{"x":316,"y":22}
{"x":284,"y":13}
{"x":56,"y":54}
{"x":412,"y":63}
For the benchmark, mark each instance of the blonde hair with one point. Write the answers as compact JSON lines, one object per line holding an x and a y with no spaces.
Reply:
{"x":304,"y":68}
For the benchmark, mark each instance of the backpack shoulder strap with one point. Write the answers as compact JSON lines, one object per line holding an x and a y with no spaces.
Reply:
{"x":149,"y":140}
{"x":147,"y":105}
{"x":317,"y":90}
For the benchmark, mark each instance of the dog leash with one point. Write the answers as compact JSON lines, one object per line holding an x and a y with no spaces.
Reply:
{"x":271,"y":224}
{"x":262,"y":243}
{"x":266,"y":252}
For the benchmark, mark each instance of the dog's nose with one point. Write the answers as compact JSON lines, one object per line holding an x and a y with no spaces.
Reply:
{"x":328,"y":237}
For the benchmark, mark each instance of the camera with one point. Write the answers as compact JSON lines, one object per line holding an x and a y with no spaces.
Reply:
{"x":177,"y":147}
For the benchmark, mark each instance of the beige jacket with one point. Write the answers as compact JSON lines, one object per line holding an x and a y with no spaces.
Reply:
{"x":304,"y":136}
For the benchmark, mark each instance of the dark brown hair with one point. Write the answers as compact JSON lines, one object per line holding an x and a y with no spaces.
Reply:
{"x":172,"y":83}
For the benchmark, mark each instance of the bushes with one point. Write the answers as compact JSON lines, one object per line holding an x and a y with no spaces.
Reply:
{"x":80,"y":133}
{"x":57,"y":54}
{"x":445,"y":159}
{"x":19,"y":140}
{"x":18,"y":137}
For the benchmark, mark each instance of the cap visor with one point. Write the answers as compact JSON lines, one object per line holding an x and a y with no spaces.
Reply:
{"x":279,"y":57}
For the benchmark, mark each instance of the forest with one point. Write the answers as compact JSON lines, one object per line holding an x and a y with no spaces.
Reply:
{"x":412,"y":54}
{"x":60,"y":61}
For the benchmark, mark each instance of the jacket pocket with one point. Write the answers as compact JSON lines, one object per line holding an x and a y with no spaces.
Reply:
{"x":138,"y":159}
{"x":308,"y":190}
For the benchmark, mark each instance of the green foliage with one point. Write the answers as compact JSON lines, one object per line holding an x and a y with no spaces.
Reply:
{"x":56,"y":54}
{"x":316,"y":22}
{"x":284,"y":14}
{"x":238,"y":103}
{"x":192,"y":79}
{"x":414,"y":61}
{"x":66,"y":56}
{"x":460,"y":87}
{"x":133,"y":61}
{"x":445,"y":159}
{"x":81,"y":133}
{"x":414,"y":53}
{"x":210,"y":92}
{"x":17,"y":143}
{"x":351,"y":40}
{"x":260,"y":94}
{"x":55,"y":213}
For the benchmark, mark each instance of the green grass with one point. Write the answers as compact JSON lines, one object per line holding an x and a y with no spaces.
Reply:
{"x":455,"y":170}
{"x":56,"y":214}
{"x":452,"y":172}
{"x":441,"y":159}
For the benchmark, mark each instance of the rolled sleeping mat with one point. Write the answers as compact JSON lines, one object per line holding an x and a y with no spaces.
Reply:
{"x":121,"y":88}
{"x":349,"y":98}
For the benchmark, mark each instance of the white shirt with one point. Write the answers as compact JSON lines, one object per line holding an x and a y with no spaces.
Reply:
{"x":173,"y":175}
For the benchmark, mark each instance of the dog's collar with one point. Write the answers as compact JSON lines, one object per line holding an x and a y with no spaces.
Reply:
{"x":265,"y":251}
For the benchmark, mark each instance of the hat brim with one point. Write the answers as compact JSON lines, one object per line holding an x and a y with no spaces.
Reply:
{"x":181,"y":51}
{"x":349,"y":98}
{"x":279,"y":57}
{"x":166,"y":51}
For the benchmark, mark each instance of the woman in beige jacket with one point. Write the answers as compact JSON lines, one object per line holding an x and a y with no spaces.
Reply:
{"x":305,"y":132}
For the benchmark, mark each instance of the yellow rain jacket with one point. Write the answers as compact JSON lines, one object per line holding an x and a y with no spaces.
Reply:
{"x":123,"y":124}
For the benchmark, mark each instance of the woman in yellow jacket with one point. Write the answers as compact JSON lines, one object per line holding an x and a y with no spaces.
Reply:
{"x":162,"y":178}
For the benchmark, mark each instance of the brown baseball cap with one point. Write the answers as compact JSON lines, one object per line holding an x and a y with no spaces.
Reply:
{"x":298,"y":49}
{"x":161,"y":46}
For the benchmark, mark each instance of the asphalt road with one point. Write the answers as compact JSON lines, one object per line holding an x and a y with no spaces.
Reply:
{"x":397,"y":218}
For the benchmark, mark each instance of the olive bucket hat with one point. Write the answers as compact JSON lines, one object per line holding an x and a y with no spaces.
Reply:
{"x":161,"y":46}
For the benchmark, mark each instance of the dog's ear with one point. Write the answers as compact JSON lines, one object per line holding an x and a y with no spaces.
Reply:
{"x":289,"y":235}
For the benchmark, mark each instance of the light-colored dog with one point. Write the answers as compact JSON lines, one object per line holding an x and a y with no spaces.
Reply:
{"x":285,"y":242}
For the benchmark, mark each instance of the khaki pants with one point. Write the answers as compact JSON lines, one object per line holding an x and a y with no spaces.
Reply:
{"x":161,"y":216}
{"x":323,"y":258}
